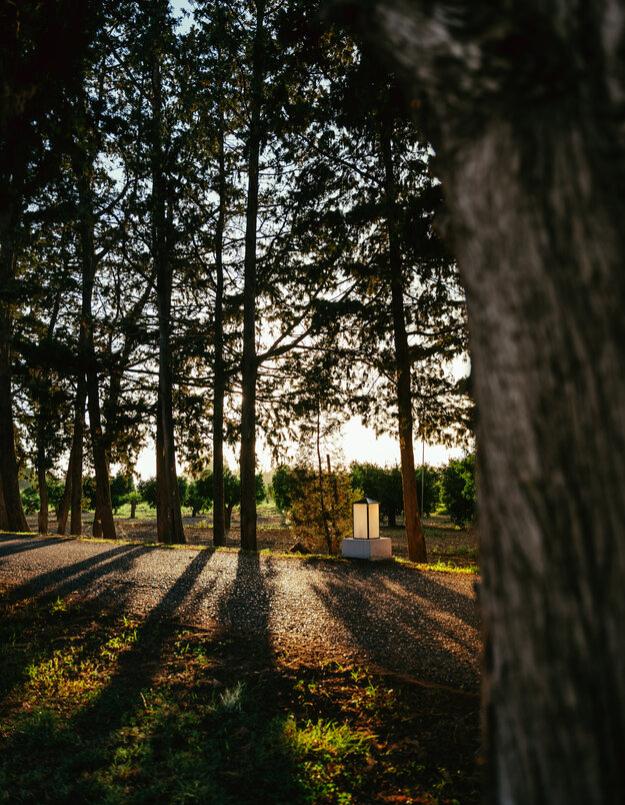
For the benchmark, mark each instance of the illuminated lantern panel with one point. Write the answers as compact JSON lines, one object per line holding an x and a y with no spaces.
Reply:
{"x":366,"y":519}
{"x":374,"y":519}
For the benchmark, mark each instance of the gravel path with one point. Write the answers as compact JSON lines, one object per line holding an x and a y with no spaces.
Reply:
{"x":424,"y":624}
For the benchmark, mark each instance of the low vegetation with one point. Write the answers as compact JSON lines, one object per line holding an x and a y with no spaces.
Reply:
{"x":117,"y":709}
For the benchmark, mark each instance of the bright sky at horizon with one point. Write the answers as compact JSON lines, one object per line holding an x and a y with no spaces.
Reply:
{"x":356,"y":442}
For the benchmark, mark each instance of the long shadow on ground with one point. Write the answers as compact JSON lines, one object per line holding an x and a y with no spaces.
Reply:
{"x":406,"y":622}
{"x":10,"y":545}
{"x":78,"y":576}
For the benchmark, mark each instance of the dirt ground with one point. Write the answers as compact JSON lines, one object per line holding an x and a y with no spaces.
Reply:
{"x":133,"y":674}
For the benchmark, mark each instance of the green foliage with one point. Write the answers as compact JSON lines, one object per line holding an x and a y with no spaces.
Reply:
{"x":382,"y":484}
{"x":55,"y":491}
{"x":122,"y":485}
{"x":287,"y":483}
{"x":431,"y":489}
{"x":147,"y":490}
{"x":30,"y":500}
{"x":321,"y":513}
{"x":457,"y":486}
{"x":200,"y":493}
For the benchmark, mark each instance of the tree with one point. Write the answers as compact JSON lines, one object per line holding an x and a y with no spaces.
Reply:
{"x":42,"y":49}
{"x":122,"y":486}
{"x":458,"y":490}
{"x":168,"y":513}
{"x":523,"y":110}
{"x":200,"y":493}
{"x":383,"y":484}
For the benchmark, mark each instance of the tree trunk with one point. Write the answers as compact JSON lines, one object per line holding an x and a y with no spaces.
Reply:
{"x":4,"y":519}
{"x":529,"y":144}
{"x":104,"y":507}
{"x":14,"y":517}
{"x":414,"y":531}
{"x":72,"y":493}
{"x":133,"y":509}
{"x":325,"y":520}
{"x":228,"y":516}
{"x":219,"y":524}
{"x":62,"y":511}
{"x":334,"y":512}
{"x":168,"y":514}
{"x":42,"y":486}
{"x":250,"y":363}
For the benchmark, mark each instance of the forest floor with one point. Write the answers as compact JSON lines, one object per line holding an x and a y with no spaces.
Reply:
{"x":446,"y":543}
{"x":130,"y":673}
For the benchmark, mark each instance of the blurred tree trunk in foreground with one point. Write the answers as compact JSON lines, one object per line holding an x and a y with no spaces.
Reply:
{"x":525,"y":113}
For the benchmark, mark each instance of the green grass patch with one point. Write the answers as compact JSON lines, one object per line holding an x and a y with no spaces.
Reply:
{"x":100,"y":707}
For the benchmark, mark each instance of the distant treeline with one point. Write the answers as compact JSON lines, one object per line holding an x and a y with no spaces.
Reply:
{"x":450,"y":489}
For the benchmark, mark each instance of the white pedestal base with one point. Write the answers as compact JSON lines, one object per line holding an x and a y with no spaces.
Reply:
{"x":367,"y":548}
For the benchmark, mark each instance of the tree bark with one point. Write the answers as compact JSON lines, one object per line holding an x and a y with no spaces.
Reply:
{"x":42,"y":486}
{"x":525,"y":108}
{"x":104,"y":508}
{"x":168,"y":513}
{"x":325,"y":520}
{"x":219,"y":523}
{"x":62,"y":512}
{"x":414,"y":532}
{"x":228,"y":515}
{"x":72,"y":493}
{"x":76,"y":464}
{"x":4,"y":520}
{"x":250,"y":363}
{"x":14,"y":517}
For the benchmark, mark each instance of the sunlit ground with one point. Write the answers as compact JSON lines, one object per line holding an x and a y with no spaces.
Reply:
{"x":100,"y":705}
{"x":97,"y":707}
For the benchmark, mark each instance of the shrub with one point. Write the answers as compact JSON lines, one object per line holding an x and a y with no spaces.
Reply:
{"x":30,"y":500}
{"x":382,"y":484}
{"x":133,"y":498}
{"x":457,"y":486}
{"x":200,"y":493}
{"x":318,"y":526}
{"x":55,"y":491}
{"x":121,"y":486}
{"x":431,"y":489}
{"x":288,"y":484}
{"x":147,"y":490}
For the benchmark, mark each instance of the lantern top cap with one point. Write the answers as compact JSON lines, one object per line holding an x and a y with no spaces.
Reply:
{"x":364,"y":501}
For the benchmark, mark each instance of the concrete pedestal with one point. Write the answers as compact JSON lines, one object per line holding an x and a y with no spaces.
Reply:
{"x":367,"y":548}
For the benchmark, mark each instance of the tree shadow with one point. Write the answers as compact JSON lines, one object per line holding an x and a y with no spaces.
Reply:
{"x":79,"y":576}
{"x":138,"y":665}
{"x":411,"y":625}
{"x":245,"y":609}
{"x":11,"y":545}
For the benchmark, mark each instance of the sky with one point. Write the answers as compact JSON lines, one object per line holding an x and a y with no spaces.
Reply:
{"x":356,"y":442}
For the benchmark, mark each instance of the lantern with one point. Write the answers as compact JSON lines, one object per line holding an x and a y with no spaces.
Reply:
{"x":366,"y":519}
{"x":366,"y":542}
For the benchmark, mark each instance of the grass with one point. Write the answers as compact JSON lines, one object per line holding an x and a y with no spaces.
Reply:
{"x":100,"y":707}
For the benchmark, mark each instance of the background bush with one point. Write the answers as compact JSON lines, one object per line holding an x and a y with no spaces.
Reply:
{"x":457,"y":490}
